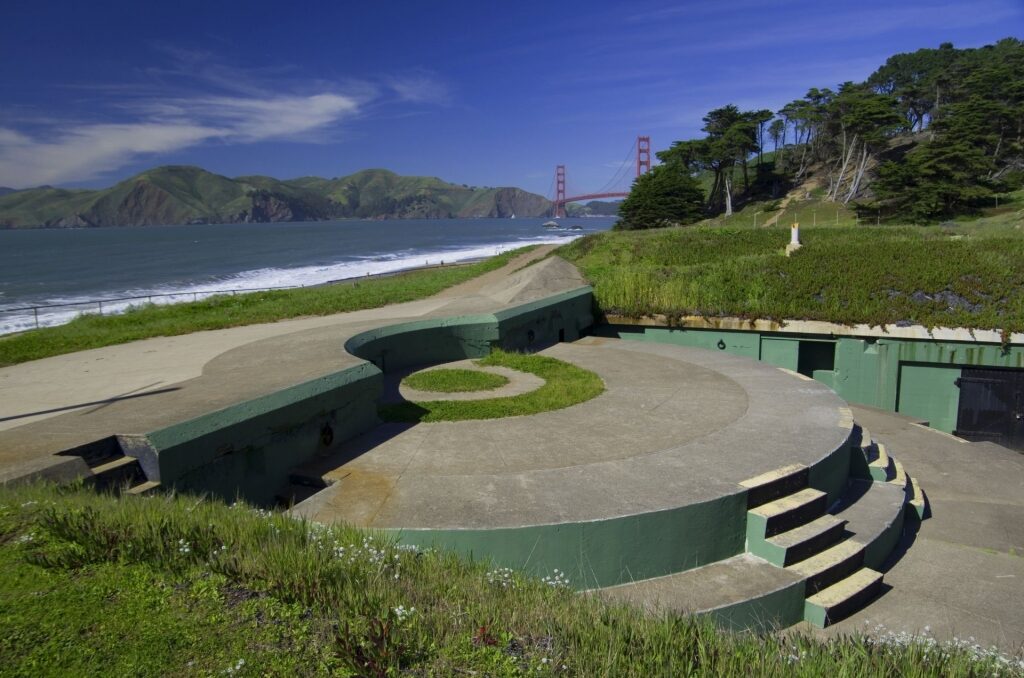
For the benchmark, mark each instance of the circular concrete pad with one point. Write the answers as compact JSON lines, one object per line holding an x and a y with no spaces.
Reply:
{"x":518,"y":384}
{"x":676,"y":426}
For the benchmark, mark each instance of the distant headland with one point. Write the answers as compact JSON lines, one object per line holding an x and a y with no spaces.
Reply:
{"x":182,"y":194}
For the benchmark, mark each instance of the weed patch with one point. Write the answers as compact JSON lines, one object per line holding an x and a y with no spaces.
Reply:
{"x":99,"y":585}
{"x":454,"y":381}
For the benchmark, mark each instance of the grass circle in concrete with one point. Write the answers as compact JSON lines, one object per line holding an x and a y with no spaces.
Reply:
{"x":565,"y":385}
{"x":454,"y":381}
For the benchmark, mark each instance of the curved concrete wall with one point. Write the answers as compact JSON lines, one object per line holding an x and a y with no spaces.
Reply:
{"x":247,"y":450}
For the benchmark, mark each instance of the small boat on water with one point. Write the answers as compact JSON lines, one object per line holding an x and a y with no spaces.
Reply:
{"x":550,"y":224}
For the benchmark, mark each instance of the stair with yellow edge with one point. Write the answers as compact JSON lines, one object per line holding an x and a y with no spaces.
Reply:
{"x":795,"y":532}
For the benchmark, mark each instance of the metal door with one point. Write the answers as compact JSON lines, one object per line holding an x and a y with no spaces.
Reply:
{"x":991,"y":406}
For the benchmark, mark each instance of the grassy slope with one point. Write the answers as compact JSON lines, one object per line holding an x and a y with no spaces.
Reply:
{"x":94,"y":585}
{"x":91,"y":331}
{"x":930,"y":276}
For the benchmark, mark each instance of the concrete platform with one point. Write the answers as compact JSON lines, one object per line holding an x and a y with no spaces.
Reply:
{"x":645,"y":489}
{"x":675,"y":427}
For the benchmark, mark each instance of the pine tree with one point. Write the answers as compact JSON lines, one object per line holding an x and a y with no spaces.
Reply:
{"x":665,"y":196}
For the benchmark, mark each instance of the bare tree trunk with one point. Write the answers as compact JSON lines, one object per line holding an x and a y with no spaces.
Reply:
{"x":803,"y":165}
{"x":715,"y":187}
{"x":855,"y":185}
{"x":847,"y":156}
{"x":728,"y":196}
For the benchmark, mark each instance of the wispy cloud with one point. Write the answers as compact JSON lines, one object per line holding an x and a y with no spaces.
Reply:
{"x":89,"y":150}
{"x":421,"y":87}
{"x":85,"y":151}
{"x":191,"y":100}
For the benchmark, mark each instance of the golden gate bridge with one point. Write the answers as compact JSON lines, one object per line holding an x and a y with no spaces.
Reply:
{"x":642,"y":147}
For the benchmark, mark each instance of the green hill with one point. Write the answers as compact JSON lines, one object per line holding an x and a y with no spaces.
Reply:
{"x":191,"y":195}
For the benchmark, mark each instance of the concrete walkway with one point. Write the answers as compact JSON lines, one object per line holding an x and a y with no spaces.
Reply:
{"x":57,"y":403}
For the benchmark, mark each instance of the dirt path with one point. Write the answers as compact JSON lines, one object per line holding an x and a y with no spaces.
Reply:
{"x":803,"y":188}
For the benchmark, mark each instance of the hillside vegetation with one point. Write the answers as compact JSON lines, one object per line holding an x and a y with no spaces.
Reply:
{"x":191,"y":195}
{"x":931,"y":135}
{"x":970,"y":277}
{"x":155,"y":586}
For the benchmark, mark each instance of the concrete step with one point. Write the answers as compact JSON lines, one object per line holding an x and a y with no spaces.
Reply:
{"x":873,"y":512}
{"x":879,"y":462}
{"x":899,"y":477}
{"x":843,"y":598}
{"x":774,"y":484}
{"x":742,"y":592}
{"x":112,"y":465}
{"x":147,"y":487}
{"x":866,"y":441}
{"x":799,"y":543}
{"x":117,"y":473}
{"x":917,"y":499}
{"x":299,"y":477}
{"x":829,"y":566}
{"x":785,"y":513}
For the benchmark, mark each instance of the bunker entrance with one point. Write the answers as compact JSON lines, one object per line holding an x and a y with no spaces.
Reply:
{"x":816,"y":355}
{"x":991,"y":406}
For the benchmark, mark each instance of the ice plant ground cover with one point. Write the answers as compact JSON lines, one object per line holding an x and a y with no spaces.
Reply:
{"x":932,"y":276}
{"x":169,"y":585}
{"x":219,"y":312}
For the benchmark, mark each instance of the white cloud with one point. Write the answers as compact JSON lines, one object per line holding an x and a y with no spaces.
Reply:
{"x":420,"y":88}
{"x":257,"y":119}
{"x":85,"y":151}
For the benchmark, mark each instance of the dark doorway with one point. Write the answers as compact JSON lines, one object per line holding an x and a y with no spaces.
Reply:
{"x":816,"y":355}
{"x":991,"y":406}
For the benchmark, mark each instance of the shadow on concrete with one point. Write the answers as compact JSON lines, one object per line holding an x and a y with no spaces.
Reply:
{"x":911,"y":526}
{"x":102,"y":403}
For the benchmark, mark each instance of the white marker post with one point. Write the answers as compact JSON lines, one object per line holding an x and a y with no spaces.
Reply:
{"x":794,"y":239}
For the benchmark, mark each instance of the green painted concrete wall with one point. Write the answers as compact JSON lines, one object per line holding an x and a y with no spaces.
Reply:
{"x":247,"y":450}
{"x":929,"y":392}
{"x":869,"y":371}
{"x":781,"y":352}
{"x":766,"y":614}
{"x":607,"y":552}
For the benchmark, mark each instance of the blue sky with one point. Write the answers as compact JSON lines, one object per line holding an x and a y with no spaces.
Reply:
{"x":480,"y":93}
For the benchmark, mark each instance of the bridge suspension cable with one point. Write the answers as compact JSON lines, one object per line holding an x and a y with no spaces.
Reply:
{"x":624,"y":166}
{"x":642,"y":146}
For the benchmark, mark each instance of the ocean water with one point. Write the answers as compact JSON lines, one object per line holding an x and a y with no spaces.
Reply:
{"x":48,"y":267}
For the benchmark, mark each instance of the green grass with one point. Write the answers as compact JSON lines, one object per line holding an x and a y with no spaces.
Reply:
{"x":219,"y":312}
{"x":454,"y":381}
{"x":875,"y":275}
{"x":565,"y":385}
{"x":95,"y":585}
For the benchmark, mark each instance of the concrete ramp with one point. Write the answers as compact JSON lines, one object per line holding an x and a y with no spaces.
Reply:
{"x":547,"y":277}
